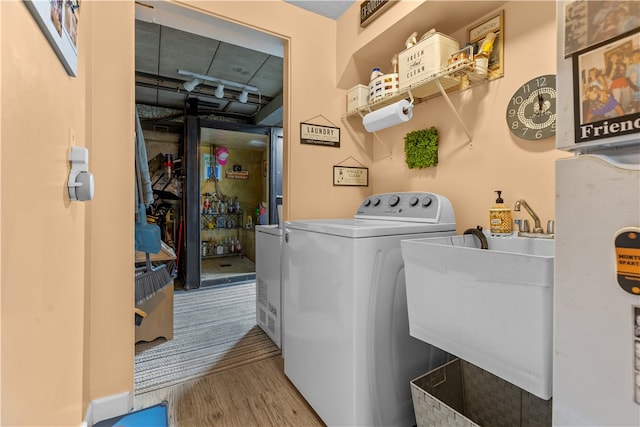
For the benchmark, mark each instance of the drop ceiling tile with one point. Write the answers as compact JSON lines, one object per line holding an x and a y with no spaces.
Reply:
{"x":269,"y":77}
{"x":147,"y":42}
{"x":235,"y":63}
{"x":182,"y":50}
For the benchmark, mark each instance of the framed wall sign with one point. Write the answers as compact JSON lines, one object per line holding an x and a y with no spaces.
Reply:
{"x":58,"y":20}
{"x":588,"y":23}
{"x":477,"y":34}
{"x":606,"y":90}
{"x":371,"y":9}
{"x":350,"y":176}
{"x":319,"y":135}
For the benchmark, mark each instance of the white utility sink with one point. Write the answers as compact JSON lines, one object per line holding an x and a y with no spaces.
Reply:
{"x":491,"y":307}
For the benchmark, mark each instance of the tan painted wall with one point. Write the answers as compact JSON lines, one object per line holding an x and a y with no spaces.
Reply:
{"x":110,"y":104}
{"x":67,"y":278}
{"x":42,"y":289}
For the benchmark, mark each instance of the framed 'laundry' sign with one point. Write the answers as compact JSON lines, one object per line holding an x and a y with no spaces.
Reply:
{"x":319,"y":135}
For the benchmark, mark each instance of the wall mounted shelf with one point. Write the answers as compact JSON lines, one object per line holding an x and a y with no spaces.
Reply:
{"x":459,"y":75}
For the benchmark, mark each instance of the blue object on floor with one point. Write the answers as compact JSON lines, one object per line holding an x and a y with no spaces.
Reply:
{"x":154,"y":416}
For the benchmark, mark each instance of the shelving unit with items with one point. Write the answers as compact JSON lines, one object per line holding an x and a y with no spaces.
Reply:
{"x":431,"y":66}
{"x":221,"y":234}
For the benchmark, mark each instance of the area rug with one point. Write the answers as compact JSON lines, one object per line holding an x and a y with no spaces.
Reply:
{"x":214,"y":330}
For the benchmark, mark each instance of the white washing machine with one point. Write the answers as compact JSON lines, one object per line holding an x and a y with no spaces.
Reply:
{"x":348,"y":349}
{"x":268,"y":281}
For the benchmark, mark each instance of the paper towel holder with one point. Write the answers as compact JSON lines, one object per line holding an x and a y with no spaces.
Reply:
{"x":411,"y":101}
{"x":407,"y":107}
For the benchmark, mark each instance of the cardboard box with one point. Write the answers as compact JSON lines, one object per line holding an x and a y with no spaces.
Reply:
{"x":425,"y":59}
{"x":357,"y":98}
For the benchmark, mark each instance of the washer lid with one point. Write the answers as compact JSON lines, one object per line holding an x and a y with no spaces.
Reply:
{"x":269,"y":229}
{"x":359,"y":228}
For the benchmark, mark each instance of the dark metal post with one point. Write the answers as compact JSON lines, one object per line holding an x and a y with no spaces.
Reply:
{"x":192,"y":199}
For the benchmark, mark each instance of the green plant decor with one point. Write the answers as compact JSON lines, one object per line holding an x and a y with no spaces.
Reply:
{"x":421,"y":148}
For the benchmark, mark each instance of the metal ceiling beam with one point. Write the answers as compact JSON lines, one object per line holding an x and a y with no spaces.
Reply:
{"x":270,"y":115}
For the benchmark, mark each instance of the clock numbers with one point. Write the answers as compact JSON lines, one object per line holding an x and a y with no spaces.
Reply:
{"x":541,"y":81}
{"x":517,"y":100}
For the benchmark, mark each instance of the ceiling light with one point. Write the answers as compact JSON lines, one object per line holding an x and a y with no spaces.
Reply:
{"x":191,"y":85}
{"x":256,"y":143}
{"x":219,"y":93}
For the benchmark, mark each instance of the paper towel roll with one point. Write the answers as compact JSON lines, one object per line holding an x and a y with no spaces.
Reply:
{"x":391,"y":115}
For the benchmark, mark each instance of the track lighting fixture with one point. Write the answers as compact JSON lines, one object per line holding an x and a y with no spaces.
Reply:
{"x":191,"y":85}
{"x":219,"y":93}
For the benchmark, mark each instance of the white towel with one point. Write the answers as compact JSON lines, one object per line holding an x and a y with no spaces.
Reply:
{"x":143,"y":166}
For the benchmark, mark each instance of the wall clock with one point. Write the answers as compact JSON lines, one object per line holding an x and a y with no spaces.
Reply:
{"x":531,"y":113}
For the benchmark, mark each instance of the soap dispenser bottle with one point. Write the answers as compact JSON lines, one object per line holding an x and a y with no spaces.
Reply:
{"x":500,"y":220}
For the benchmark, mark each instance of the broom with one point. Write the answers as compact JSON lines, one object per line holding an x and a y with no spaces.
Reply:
{"x":149,"y":279}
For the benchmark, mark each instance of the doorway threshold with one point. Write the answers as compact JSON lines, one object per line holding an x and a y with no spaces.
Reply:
{"x":236,"y":279}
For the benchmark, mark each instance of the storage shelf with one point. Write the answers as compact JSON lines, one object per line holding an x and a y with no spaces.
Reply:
{"x":457,"y":76}
{"x":228,"y":254}
{"x":214,"y":218}
{"x":218,"y":222}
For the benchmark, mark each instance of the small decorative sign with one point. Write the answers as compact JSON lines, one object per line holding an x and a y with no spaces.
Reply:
{"x":319,"y":135}
{"x":371,"y":9}
{"x":350,"y":176}
{"x":232,"y":174}
{"x":477,"y":35}
{"x":627,"y":249}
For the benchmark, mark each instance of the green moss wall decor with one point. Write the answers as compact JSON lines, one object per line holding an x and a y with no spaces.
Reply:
{"x":421,"y":148}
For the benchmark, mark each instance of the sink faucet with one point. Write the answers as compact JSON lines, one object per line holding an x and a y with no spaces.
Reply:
{"x":537,"y":227}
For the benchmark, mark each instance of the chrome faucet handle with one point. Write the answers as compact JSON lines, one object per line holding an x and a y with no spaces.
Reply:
{"x":518,"y":222}
{"x":523,"y":224}
{"x":551,"y":226}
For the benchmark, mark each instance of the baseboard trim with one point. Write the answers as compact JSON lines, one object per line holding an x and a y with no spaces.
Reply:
{"x":107,"y":407}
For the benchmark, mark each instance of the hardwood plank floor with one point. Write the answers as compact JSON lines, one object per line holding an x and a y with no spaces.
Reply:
{"x":258,"y":394}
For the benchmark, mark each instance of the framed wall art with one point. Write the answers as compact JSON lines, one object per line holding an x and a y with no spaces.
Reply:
{"x":478,"y":33}
{"x":58,"y":20}
{"x":607,"y":90}
{"x":350,"y":176}
{"x":588,"y":23}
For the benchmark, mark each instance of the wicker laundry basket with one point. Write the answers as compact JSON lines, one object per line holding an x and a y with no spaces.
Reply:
{"x":459,"y":394}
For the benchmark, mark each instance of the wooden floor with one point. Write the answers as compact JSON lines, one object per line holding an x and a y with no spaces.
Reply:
{"x":258,"y":394}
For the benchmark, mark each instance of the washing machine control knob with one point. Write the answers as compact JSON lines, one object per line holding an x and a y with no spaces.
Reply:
{"x":376,"y":201}
{"x":394,"y":200}
{"x":426,"y":201}
{"x":367,"y":203}
{"x":413,"y":201}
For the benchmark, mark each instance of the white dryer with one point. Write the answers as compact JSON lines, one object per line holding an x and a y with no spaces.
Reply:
{"x":348,"y":349}
{"x":268,"y":281}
